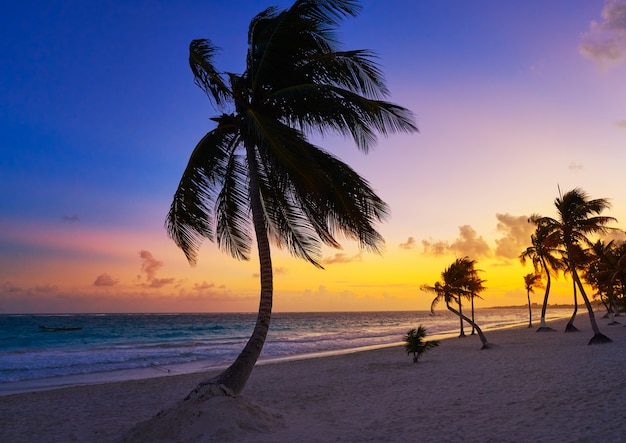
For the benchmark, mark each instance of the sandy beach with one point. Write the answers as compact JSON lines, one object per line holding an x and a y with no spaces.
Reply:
{"x":539,"y":387}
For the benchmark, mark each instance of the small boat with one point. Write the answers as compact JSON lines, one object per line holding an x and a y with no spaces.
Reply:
{"x":51,"y":329}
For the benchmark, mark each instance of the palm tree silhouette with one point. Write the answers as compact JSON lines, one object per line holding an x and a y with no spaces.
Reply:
{"x":414,"y":343}
{"x":601,"y":275}
{"x":531,"y":281}
{"x":460,"y":279}
{"x":578,"y":218}
{"x":543,"y":256}
{"x":257,"y":169}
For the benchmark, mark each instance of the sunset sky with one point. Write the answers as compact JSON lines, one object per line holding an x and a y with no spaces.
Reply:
{"x":99,"y":113}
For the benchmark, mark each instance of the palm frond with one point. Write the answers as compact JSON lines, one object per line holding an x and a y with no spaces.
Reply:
{"x":324,"y":108}
{"x":206,"y":76}
{"x":233,"y":211}
{"x":190,"y":218}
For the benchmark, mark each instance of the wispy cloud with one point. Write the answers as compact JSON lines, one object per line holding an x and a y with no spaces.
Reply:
{"x":574,"y":166}
{"x":605,"y":42}
{"x":149,"y":264}
{"x":409,"y":244}
{"x":277,"y":271}
{"x":105,"y":280}
{"x":70,"y":218}
{"x":160,"y":282}
{"x":469,"y":243}
{"x":621,"y":124}
{"x":343,"y":258}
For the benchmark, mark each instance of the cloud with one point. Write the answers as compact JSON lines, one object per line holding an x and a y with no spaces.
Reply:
{"x":276,"y":271}
{"x":573,"y":166}
{"x":343,"y":258}
{"x":410,"y":244}
{"x":621,"y":124}
{"x":435,"y":249}
{"x":467,"y":244}
{"x":160,"y":282}
{"x":105,"y":280}
{"x":203,"y":286}
{"x":605,"y":42}
{"x":50,"y":299}
{"x":70,"y":218}
{"x":149,"y":264}
{"x":516,"y":235}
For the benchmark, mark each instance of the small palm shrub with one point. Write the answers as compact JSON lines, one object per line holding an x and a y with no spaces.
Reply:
{"x":414,"y":343}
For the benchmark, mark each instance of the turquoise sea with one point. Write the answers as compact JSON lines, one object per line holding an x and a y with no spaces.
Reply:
{"x":87,"y":348}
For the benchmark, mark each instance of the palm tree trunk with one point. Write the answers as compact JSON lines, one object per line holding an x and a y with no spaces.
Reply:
{"x":543,"y":327}
{"x":570,"y":324}
{"x":598,"y":337}
{"x":530,"y":312}
{"x":612,"y":303}
{"x":473,"y":327}
{"x":462,"y":331}
{"x":234,"y":378}
{"x":483,"y":339}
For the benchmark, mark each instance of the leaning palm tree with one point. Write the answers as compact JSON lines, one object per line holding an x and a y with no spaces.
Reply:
{"x":543,"y":254}
{"x":460,"y":279}
{"x":531,"y":281}
{"x":578,"y":218}
{"x":258,"y":171}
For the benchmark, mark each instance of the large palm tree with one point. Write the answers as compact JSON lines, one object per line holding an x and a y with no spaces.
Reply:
{"x":544,"y":255}
{"x":458,"y":280}
{"x":531,"y":281}
{"x":578,"y":218}
{"x":256,"y":170}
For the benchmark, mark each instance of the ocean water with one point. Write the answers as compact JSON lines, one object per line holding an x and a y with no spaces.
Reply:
{"x":125,"y":346}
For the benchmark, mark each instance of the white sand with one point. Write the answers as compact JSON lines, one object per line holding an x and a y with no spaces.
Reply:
{"x":532,"y":387}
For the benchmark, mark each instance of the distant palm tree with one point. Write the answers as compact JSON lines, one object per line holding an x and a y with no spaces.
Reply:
{"x":578,"y":218}
{"x":460,"y":279}
{"x":257,"y":169}
{"x":414,"y":343}
{"x":531,"y":281}
{"x":544,"y":255}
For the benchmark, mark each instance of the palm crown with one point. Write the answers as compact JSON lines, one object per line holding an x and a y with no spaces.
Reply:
{"x":296,"y":82}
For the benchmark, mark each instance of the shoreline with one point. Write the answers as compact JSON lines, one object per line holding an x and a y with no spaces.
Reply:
{"x":529,"y":387}
{"x":67,"y":381}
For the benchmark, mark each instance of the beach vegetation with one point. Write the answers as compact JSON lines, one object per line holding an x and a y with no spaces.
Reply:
{"x":415,"y":344}
{"x":578,"y":218}
{"x":256,"y":176}
{"x":458,"y":280}
{"x":606,"y":274}
{"x":531,"y":281}
{"x":545,"y":256}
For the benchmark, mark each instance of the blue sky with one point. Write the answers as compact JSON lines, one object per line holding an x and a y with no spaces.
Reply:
{"x":99,"y":112}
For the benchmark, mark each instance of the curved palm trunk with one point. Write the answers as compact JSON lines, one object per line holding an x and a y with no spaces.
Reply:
{"x":598,"y":337}
{"x":543,"y":327}
{"x":461,"y":316}
{"x":570,"y":324}
{"x":530,"y":312}
{"x":483,"y":339}
{"x":234,"y":378}
{"x":473,"y":327}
